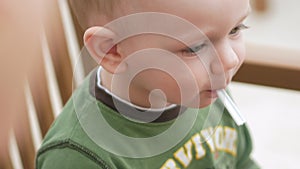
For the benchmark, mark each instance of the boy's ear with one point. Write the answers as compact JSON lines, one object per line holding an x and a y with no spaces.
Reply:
{"x":99,"y":41}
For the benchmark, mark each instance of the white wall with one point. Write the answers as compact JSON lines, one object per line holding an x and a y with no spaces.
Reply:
{"x":279,"y":25}
{"x":273,"y":114}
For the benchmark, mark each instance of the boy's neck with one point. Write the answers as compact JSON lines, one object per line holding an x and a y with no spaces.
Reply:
{"x":106,"y":79}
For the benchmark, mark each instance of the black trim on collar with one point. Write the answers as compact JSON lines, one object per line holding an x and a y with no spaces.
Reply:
{"x":129,"y":111}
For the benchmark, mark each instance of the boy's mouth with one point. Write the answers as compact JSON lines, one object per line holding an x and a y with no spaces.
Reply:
{"x":210,"y":93}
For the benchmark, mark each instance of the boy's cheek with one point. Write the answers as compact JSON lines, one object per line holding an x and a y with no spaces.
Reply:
{"x":241,"y":49}
{"x":175,"y":87}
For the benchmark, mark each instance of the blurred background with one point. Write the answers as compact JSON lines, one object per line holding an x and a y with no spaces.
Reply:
{"x":273,"y":113}
{"x":38,"y":56}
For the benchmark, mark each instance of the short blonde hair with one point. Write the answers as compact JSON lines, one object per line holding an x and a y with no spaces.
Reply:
{"x":87,"y":11}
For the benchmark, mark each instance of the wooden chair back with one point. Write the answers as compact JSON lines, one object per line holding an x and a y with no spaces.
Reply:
{"x":44,"y":96}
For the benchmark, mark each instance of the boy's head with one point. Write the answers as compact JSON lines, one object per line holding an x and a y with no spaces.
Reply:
{"x":179,"y":65}
{"x":94,"y":12}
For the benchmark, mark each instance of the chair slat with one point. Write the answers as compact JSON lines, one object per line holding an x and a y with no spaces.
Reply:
{"x":72,"y":42}
{"x":33,"y":119}
{"x":5,"y":159}
{"x":40,"y":95}
{"x":23,"y":137}
{"x":60,"y":55}
{"x":54,"y":92}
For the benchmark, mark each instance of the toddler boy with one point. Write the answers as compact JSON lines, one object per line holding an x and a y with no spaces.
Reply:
{"x":152,"y":103}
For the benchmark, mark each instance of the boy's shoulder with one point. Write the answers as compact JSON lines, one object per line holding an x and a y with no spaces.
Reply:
{"x":66,"y":139}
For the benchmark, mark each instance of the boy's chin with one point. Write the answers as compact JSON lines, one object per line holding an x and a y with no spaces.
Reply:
{"x":207,"y":103}
{"x":203,"y":103}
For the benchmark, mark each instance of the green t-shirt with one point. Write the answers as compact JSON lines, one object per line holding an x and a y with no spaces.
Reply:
{"x":90,"y":134}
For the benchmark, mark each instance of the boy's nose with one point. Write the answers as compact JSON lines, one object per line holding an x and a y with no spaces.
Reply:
{"x":227,"y":59}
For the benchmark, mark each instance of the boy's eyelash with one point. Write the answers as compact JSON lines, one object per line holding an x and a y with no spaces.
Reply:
{"x":193,"y":50}
{"x":238,"y":28}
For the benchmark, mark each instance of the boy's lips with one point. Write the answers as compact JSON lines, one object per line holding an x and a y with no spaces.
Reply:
{"x":210,"y":93}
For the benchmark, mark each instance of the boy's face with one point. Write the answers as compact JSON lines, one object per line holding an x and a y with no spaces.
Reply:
{"x":186,"y":73}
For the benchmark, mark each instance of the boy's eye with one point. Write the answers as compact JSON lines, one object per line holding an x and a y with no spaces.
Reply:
{"x":191,"y":51}
{"x":237,"y":29}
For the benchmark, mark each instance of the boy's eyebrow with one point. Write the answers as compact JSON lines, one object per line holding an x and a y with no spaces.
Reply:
{"x":246,"y":14}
